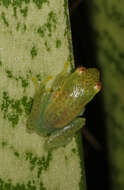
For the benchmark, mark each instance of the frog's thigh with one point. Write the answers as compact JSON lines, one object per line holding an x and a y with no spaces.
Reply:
{"x":64,"y":135}
{"x":40,"y":90}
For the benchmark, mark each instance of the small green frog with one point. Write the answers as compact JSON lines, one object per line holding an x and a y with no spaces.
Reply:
{"x":56,"y":112}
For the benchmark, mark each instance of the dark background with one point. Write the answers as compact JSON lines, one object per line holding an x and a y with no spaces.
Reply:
{"x":95,"y":147}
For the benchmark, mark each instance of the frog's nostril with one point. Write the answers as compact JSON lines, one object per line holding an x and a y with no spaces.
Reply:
{"x":81,"y":70}
{"x":98,"y":86}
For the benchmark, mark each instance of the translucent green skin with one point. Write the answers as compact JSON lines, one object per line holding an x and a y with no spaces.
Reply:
{"x":55,"y":111}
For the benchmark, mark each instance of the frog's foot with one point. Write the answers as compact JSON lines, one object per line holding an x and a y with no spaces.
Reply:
{"x":47,"y":79}
{"x":42,"y":84}
{"x":35,"y":82}
{"x":63,"y":136}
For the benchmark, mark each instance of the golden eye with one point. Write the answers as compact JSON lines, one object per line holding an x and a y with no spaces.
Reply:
{"x":98,"y":86}
{"x":81,"y":70}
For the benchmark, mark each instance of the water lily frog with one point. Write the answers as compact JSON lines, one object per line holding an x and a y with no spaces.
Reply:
{"x":56,"y":111}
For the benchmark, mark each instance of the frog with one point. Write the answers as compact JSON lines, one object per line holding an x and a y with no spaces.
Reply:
{"x":56,"y":112}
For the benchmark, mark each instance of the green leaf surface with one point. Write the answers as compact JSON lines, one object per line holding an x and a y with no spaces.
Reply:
{"x":35,"y":41}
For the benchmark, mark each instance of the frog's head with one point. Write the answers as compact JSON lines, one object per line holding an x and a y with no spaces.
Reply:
{"x":91,"y":84}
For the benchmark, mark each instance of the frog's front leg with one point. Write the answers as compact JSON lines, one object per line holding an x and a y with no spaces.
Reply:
{"x":64,"y":135}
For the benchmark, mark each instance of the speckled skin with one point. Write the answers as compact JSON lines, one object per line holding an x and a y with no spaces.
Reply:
{"x":55,"y":112}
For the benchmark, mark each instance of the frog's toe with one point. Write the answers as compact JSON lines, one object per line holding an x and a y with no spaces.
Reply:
{"x":66,"y":66}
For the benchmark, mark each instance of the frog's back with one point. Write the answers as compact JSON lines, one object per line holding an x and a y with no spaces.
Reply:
{"x":65,"y":104}
{"x":61,"y":111}
{"x":68,"y":102}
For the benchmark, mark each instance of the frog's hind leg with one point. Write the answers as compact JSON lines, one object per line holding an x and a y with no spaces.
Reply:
{"x":40,"y":90}
{"x":39,"y":99}
{"x":64,"y":135}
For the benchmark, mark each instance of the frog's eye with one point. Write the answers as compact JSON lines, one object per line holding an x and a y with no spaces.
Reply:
{"x":81,"y":70}
{"x":98,"y":86}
